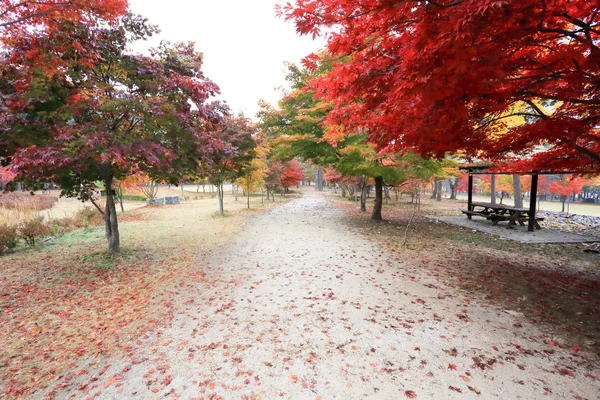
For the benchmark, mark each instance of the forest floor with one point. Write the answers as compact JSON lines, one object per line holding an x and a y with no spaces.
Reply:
{"x":314,"y":301}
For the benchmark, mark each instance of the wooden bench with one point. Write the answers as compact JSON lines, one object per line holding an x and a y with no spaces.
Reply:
{"x":479,"y":214}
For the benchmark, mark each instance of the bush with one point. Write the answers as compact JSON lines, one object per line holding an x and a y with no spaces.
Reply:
{"x":61,"y":226}
{"x":8,"y":238}
{"x":87,"y":217}
{"x":134,"y":197}
{"x":32,"y":229}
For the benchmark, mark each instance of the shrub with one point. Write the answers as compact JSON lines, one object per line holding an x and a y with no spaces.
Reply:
{"x":8,"y":237}
{"x":32,"y":229}
{"x":87,"y":217}
{"x":134,"y":197}
{"x":61,"y":226}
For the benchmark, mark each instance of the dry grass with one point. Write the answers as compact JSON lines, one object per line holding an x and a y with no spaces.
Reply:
{"x":16,"y":208}
{"x":69,"y":300}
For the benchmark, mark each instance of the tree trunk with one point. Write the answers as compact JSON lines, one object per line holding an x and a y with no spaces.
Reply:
{"x":376,"y":214}
{"x":111,"y":225}
{"x":235,"y":192}
{"x":319,"y":179}
{"x":493,"y":189}
{"x":518,"y":193}
{"x":344,"y":191}
{"x":438,"y":192}
{"x":563,"y":199}
{"x":453,"y":185}
{"x":363,"y":194}
{"x":220,"y":196}
{"x":248,"y":200}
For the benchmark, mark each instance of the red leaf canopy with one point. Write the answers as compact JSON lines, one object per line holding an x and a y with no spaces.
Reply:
{"x":436,"y":77}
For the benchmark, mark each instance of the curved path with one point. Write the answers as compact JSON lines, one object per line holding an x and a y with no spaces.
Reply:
{"x":301,"y":306}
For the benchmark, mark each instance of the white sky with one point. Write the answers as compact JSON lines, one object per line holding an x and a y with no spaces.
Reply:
{"x":243,"y":42}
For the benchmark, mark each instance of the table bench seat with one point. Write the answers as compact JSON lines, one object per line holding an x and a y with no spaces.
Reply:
{"x":480,"y":214}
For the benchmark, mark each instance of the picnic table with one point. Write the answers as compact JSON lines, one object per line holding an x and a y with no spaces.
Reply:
{"x":499,"y":212}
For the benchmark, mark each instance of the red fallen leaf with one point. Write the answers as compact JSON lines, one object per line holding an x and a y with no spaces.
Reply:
{"x":551,"y":343}
{"x":472,"y":389}
{"x":83,"y":386}
{"x":455,"y":389}
{"x":410,"y":394}
{"x":592,"y":377}
{"x":452,"y":366}
{"x":565,"y":371}
{"x":495,"y":348}
{"x":576,"y":348}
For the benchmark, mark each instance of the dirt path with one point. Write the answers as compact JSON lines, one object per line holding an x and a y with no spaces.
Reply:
{"x":302,"y":307}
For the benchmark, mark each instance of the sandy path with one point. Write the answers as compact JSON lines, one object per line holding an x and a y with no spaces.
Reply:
{"x":302,"y":307}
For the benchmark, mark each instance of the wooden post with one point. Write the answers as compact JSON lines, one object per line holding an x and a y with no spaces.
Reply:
{"x":532,"y":202}
{"x":470,"y":196}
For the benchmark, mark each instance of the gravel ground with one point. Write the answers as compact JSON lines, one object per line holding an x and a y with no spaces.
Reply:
{"x":300,"y":306}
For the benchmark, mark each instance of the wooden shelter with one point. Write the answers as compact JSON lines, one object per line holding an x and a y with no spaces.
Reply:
{"x":484,"y":170}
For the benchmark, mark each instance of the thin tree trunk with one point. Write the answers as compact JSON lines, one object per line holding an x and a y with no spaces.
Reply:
{"x":376,"y":214}
{"x":220,"y":196}
{"x":493,"y":189}
{"x":438,"y":192}
{"x":248,"y":193}
{"x":363,"y":194}
{"x":111,"y":225}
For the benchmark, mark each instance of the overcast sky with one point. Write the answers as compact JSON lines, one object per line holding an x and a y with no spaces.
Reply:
{"x":243,"y":42}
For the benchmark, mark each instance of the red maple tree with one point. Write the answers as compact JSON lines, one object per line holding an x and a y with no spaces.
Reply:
{"x":105,"y":118}
{"x":17,"y":13}
{"x":436,"y":77}
{"x":292,"y":174}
